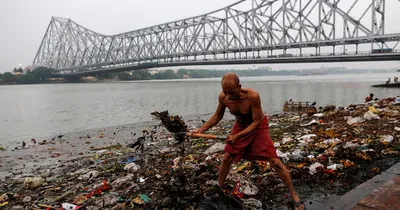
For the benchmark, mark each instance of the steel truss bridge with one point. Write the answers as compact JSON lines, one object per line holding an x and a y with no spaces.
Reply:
{"x":246,"y":32}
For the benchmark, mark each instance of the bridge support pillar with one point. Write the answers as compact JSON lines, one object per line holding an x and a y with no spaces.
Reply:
{"x":356,"y":48}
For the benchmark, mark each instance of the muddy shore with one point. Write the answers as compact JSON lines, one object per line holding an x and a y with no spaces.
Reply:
{"x":328,"y":154}
{"x":16,"y":159}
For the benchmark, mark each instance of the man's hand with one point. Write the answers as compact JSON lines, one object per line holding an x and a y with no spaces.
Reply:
{"x":231,"y":139}
{"x":197,"y":131}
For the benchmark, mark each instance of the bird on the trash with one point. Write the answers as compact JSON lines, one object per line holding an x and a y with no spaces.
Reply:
{"x":60,"y":136}
{"x":313,"y":104}
{"x":23,"y":144}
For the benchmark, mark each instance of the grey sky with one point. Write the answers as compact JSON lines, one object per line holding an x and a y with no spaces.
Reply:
{"x":23,"y":23}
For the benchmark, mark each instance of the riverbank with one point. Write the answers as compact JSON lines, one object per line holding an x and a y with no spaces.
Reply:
{"x":328,"y":154}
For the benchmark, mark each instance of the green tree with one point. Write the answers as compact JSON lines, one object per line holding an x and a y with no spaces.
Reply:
{"x":141,"y":75}
{"x":8,"y":77}
{"x":182,"y":72}
{"x":106,"y":75}
{"x":168,"y":74}
{"x":20,"y":70}
{"x":42,"y":73}
{"x":124,"y":76}
{"x":20,"y":79}
{"x":1,"y":76}
{"x":30,"y":78}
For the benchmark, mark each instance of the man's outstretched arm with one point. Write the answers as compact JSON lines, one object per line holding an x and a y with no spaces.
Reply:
{"x":218,"y":115}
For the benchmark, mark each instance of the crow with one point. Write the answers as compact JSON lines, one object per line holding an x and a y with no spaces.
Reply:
{"x":313,"y":104}
{"x":60,"y":136}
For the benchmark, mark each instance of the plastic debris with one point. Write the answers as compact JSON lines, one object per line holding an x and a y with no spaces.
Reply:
{"x":286,"y":140}
{"x":308,"y":137}
{"x":314,"y":166}
{"x":27,"y":199}
{"x":371,"y":116}
{"x":282,"y":155}
{"x":131,"y":168}
{"x":129,"y":160}
{"x":3,"y":204}
{"x":387,"y":138}
{"x":271,"y":125}
{"x":312,"y":122}
{"x":252,"y":204}
{"x":250,"y":189}
{"x":332,"y":141}
{"x":4,"y":197}
{"x":120,"y":182}
{"x":297,"y":154}
{"x":373,"y":110}
{"x":68,"y":206}
{"x":351,"y":145}
{"x":33,"y":182}
{"x":217,"y":147}
{"x":319,"y":115}
{"x":242,"y":167}
{"x":141,"y":199}
{"x":355,"y":120}
{"x":89,"y":175}
{"x":335,"y":167}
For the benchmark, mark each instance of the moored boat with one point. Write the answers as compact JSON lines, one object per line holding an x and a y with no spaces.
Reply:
{"x":303,"y":107}
{"x":390,"y":85}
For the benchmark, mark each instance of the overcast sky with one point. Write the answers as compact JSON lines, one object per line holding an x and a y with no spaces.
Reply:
{"x":24,"y":22}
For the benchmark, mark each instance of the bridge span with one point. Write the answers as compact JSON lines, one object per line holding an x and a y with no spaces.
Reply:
{"x":246,"y":32}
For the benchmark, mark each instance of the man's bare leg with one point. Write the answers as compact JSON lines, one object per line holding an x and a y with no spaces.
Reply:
{"x":283,"y":173}
{"x":224,"y":168}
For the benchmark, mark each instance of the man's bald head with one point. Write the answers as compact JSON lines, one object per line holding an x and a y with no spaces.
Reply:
{"x":231,"y":86}
{"x":230,"y":80}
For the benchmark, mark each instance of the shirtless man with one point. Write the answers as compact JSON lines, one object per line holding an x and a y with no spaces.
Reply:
{"x":249,"y":138}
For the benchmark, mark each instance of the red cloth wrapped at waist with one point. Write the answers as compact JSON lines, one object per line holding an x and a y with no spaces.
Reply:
{"x":257,"y":145}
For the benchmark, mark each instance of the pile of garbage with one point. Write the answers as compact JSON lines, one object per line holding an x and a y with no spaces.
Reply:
{"x":329,"y":152}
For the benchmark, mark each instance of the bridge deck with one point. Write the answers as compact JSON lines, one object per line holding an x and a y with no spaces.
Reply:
{"x":262,"y":60}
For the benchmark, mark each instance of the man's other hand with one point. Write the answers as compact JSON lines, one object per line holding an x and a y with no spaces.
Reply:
{"x":231,"y":139}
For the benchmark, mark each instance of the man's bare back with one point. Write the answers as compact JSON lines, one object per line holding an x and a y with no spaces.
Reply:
{"x":241,"y":107}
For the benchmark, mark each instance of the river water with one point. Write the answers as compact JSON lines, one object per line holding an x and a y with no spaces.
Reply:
{"x":32,"y":111}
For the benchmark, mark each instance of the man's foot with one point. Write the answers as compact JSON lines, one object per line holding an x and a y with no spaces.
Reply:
{"x":299,"y":205}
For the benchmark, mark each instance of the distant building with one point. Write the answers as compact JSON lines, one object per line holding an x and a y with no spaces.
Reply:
{"x":28,"y":68}
{"x":156,"y":71}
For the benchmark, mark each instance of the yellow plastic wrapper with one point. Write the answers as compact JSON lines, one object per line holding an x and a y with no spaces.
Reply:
{"x":373,"y":110}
